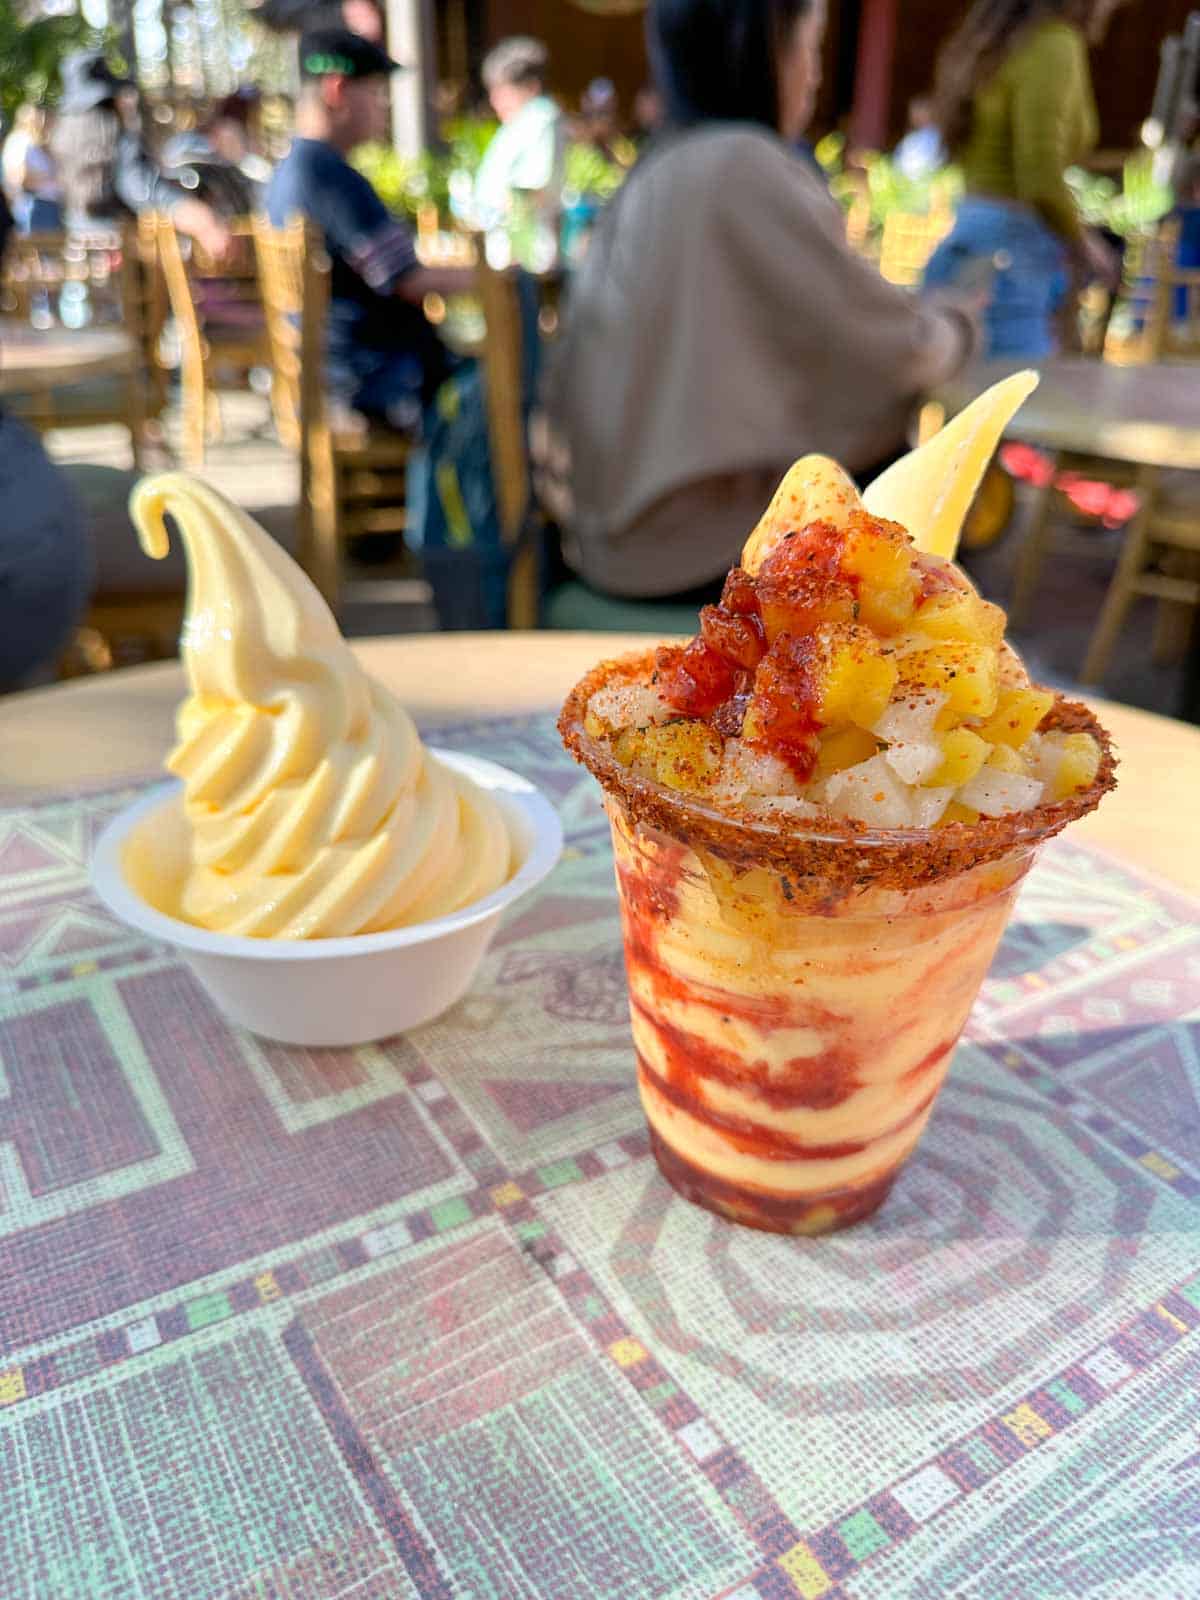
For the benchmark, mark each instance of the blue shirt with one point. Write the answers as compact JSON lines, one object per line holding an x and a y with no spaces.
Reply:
{"x":369,"y":326}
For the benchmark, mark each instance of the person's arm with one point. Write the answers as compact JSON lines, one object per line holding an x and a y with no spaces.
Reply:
{"x":140,"y":186}
{"x":374,"y":243}
{"x":420,"y":281}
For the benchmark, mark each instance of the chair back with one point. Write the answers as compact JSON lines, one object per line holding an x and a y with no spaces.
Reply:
{"x":187,"y":268}
{"x":293,"y":278}
{"x":504,"y":371}
{"x":1172,"y":329}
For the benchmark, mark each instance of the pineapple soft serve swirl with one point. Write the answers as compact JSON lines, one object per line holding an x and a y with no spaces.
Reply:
{"x":315,"y":810}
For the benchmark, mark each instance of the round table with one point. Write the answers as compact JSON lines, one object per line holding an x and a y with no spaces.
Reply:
{"x":121,"y":723}
{"x":1146,"y":416}
{"x":35,"y":360}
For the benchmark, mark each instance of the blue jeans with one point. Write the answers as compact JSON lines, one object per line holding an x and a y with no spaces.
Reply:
{"x":1031,"y":278}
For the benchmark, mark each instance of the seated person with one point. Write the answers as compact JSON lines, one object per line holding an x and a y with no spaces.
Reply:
{"x":383,"y":358}
{"x":719,"y":325}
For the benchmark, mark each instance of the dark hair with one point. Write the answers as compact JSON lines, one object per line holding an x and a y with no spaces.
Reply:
{"x":717,"y":60}
{"x":987,"y":34}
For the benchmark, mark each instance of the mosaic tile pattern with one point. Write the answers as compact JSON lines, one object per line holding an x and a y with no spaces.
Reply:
{"x":422,"y":1320}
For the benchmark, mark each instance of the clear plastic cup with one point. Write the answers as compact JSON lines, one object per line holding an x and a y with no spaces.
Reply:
{"x":796,"y":993}
{"x":790,"y":1050}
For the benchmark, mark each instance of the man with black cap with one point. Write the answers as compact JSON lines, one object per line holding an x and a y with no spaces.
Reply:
{"x":382,"y":358}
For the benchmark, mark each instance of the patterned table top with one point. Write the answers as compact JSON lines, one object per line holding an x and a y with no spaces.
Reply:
{"x":421,"y":1319}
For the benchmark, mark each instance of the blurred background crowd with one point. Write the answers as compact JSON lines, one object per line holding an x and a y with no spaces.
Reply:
{"x":513,"y":313}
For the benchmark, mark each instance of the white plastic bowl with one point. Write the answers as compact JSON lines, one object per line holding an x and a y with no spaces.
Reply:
{"x":323,"y":991}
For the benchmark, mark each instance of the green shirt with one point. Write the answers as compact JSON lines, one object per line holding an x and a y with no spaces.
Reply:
{"x":1032,"y":119}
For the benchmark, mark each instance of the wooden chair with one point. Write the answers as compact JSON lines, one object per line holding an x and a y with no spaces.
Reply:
{"x":51,"y":277}
{"x":219,"y":318}
{"x":507,"y":444}
{"x":1160,"y":558}
{"x":352,"y":481}
{"x":1163,"y":301}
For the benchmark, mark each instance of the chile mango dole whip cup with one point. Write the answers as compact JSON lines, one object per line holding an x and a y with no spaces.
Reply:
{"x":822,"y":811}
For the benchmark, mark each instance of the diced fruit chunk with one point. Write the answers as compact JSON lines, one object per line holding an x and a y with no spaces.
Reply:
{"x":965,"y":672}
{"x":857,"y":682}
{"x":963,"y":753}
{"x":929,"y":806}
{"x":738,"y":638}
{"x":961,"y":614}
{"x":913,"y":763}
{"x":1078,"y":767}
{"x":870,"y":792}
{"x":625,"y":705}
{"x":1018,"y":713}
{"x":800,"y":607}
{"x":683,"y":755}
{"x":880,"y":555}
{"x":1003,"y":758}
{"x":695,"y":680}
{"x":746,"y":771}
{"x":845,"y":748}
{"x":998,"y":794}
{"x":911,"y":721}
{"x":957,"y":812}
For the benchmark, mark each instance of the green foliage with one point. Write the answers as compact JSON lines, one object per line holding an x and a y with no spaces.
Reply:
{"x":434,"y":178}
{"x":405,"y":184}
{"x":1130,"y":209}
{"x":31,"y":54}
{"x":587,"y":173}
{"x":889,"y":189}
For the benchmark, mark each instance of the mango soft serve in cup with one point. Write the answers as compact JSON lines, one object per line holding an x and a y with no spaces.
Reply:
{"x":314,"y":809}
{"x":822,"y":809}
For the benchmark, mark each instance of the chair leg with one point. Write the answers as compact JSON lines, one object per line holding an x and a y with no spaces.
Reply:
{"x":320,"y":560}
{"x":1121,"y":591}
{"x":1173,"y":624}
{"x":1174,"y":619}
{"x":1032,"y":553}
{"x":137,"y":420}
{"x":213,"y":421}
{"x":194,"y":416}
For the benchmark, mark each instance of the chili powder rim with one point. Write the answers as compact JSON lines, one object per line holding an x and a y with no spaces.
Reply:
{"x":841,"y":853}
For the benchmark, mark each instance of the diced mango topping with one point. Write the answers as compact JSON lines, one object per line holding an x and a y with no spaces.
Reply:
{"x":963,"y":753}
{"x":960,"y":614}
{"x":1018,"y":713}
{"x":857,"y":682}
{"x":1078,"y":767}
{"x":682,"y":755}
{"x":966,"y":673}
{"x":841,"y":655}
{"x":1005,"y":759}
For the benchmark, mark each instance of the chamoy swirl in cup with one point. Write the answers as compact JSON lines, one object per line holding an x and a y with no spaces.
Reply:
{"x":822,"y":809}
{"x":314,"y":809}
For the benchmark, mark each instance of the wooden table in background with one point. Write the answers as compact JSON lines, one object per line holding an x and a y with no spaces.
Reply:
{"x":1144,"y":416}
{"x":34,"y":360}
{"x":121,"y":723}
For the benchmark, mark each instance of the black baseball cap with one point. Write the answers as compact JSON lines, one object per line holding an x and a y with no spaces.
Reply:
{"x":326,"y":51}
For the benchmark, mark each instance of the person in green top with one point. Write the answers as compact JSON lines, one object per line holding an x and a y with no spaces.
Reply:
{"x":1013,"y":97}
